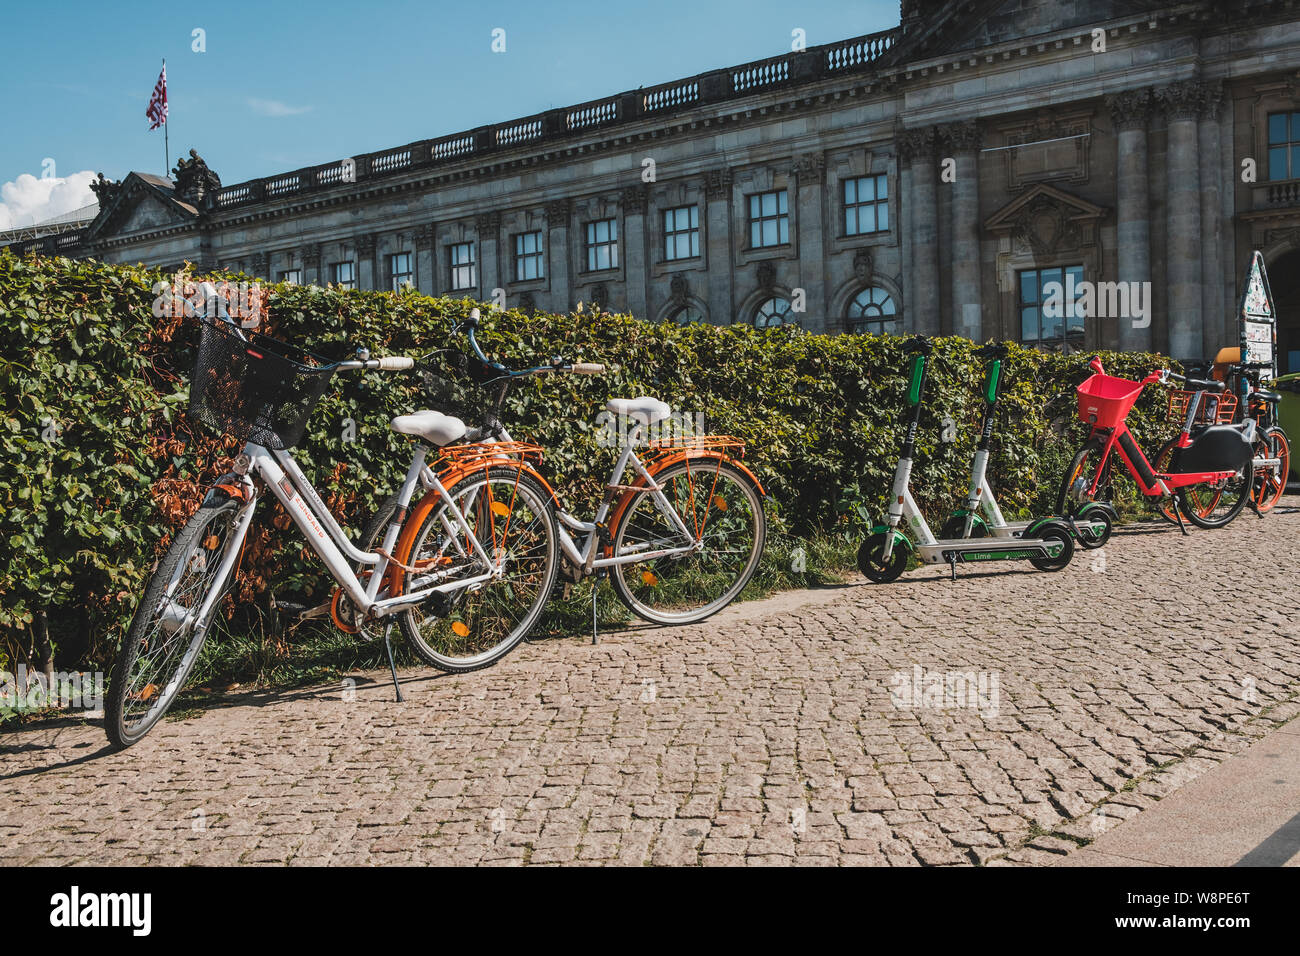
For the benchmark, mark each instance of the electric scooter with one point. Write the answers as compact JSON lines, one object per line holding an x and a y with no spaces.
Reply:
{"x":981,"y":518}
{"x":1047,"y":543}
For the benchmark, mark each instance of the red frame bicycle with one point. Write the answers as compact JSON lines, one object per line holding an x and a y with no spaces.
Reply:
{"x":1104,"y":403}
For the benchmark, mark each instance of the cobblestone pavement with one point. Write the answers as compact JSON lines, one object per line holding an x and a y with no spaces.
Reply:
{"x":775,"y":733}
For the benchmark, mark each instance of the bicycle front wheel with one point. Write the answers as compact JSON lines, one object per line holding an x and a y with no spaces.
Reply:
{"x":722,"y":511}
{"x":511,"y":515}
{"x":168,"y":629}
{"x":1078,"y":479}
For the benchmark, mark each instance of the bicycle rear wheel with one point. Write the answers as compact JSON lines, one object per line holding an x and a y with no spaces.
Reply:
{"x":167,"y":633}
{"x":1270,"y":480}
{"x":1215,"y":504}
{"x":511,"y":515}
{"x":722,"y":507}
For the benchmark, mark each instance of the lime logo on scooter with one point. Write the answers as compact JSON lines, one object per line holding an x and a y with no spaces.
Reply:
{"x":1047,"y":543}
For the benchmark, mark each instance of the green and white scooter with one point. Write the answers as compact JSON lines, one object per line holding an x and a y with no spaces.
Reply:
{"x":982,"y":517}
{"x":1047,"y":543}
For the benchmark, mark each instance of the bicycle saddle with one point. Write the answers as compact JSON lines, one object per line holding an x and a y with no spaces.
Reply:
{"x":434,"y":427}
{"x":1265,"y":397}
{"x":1201,"y":383}
{"x":645,"y":409}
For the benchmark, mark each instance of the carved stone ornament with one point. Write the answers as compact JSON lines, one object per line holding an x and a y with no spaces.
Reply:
{"x":864,"y":265}
{"x":311,"y":255}
{"x":679,"y":289}
{"x":635,"y":199}
{"x":810,"y":169}
{"x":366,"y":243}
{"x":423,"y":236}
{"x":1043,"y":228}
{"x":916,"y":144}
{"x":766,"y":276}
{"x":527,"y":304}
{"x":599,"y":295}
{"x":717,"y":183}
{"x":1181,"y":100}
{"x":557,"y":211}
{"x":104,"y":189}
{"x":487,"y":223}
{"x":1130,"y":109}
{"x":961,"y":137}
{"x":194,"y":180}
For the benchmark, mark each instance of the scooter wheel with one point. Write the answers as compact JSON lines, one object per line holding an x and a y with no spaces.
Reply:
{"x":872,"y":563}
{"x":1096,"y":514}
{"x":1055,"y":533}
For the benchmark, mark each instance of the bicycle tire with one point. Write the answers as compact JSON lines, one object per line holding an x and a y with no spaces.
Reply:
{"x":1270,"y":485}
{"x":149,"y":622}
{"x":654,"y":579}
{"x":434,"y":644}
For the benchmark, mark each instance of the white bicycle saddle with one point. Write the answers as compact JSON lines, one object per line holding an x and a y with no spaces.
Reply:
{"x":434,"y":427}
{"x":645,"y":409}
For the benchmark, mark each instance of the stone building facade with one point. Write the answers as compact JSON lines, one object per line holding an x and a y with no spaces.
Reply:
{"x":940,"y":176}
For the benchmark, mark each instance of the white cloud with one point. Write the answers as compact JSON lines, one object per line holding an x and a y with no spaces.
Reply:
{"x":275,"y":107}
{"x":28,"y":200}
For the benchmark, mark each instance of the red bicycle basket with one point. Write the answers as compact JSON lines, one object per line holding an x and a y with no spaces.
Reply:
{"x":1105,"y":400}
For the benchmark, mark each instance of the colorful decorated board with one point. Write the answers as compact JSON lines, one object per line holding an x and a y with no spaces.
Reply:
{"x":1258,"y":319}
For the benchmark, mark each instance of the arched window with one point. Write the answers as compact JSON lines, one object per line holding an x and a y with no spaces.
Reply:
{"x":686,"y":315}
{"x":873,"y":310}
{"x":772,"y":312}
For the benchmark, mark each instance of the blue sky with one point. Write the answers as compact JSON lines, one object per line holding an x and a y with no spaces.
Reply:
{"x":285,"y":85}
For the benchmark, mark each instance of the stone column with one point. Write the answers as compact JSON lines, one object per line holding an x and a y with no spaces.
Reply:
{"x":367,"y":274}
{"x":558,"y":268}
{"x":310,"y":254}
{"x":1208,"y":140}
{"x":961,"y":141}
{"x":810,"y":174}
{"x":486,"y":226}
{"x":426,"y":274}
{"x":1181,"y":102}
{"x":916,"y":146}
{"x":1131,"y":112}
{"x":717,"y":191}
{"x":635,"y":201}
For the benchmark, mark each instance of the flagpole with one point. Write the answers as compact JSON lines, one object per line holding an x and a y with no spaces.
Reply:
{"x":167,"y":153}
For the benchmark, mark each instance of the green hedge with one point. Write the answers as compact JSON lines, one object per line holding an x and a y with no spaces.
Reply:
{"x":99,"y":461}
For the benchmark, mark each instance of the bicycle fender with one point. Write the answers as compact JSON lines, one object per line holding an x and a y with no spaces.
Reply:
{"x":668,"y":461}
{"x":395,"y":575}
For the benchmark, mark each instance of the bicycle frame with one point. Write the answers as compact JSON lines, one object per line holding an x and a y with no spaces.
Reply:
{"x":1120,"y":440}
{"x":582,"y":553}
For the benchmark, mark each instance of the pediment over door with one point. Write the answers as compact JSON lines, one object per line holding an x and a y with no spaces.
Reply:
{"x":1047,"y":221}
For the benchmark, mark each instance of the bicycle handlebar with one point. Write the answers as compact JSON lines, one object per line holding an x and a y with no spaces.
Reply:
{"x":556,"y":364}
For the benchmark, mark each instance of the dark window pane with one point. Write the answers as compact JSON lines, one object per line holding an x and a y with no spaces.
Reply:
{"x":1277,"y":132}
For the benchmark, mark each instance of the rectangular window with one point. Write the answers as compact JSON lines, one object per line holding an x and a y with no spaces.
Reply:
{"x":866,"y":205}
{"x":460,"y":265}
{"x":769,"y":219}
{"x":344,"y":275}
{"x":400,"y":271}
{"x":682,"y":232}
{"x":291,"y":276}
{"x":602,"y":245}
{"x":1047,"y":318}
{"x":1284,"y":145}
{"x":529,"y":262}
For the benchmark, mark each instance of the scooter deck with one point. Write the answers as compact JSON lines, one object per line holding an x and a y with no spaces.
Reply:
{"x":967,"y":550}
{"x":1094,"y":529}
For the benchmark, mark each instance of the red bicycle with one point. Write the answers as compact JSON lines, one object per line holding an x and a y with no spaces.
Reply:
{"x":1209,"y":473}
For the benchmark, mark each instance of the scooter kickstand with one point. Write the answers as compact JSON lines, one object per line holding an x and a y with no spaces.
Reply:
{"x":952,"y":564}
{"x":392,"y":667}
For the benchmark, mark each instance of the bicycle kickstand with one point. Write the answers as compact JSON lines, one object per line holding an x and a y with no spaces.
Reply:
{"x":1178,"y":513}
{"x":392,"y":667}
{"x":595,"y":586}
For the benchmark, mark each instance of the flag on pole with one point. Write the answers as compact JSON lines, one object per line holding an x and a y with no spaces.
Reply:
{"x":157,"y":111}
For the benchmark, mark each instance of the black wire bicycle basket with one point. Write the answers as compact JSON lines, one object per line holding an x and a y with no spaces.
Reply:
{"x":261,"y":390}
{"x":460,"y":385}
